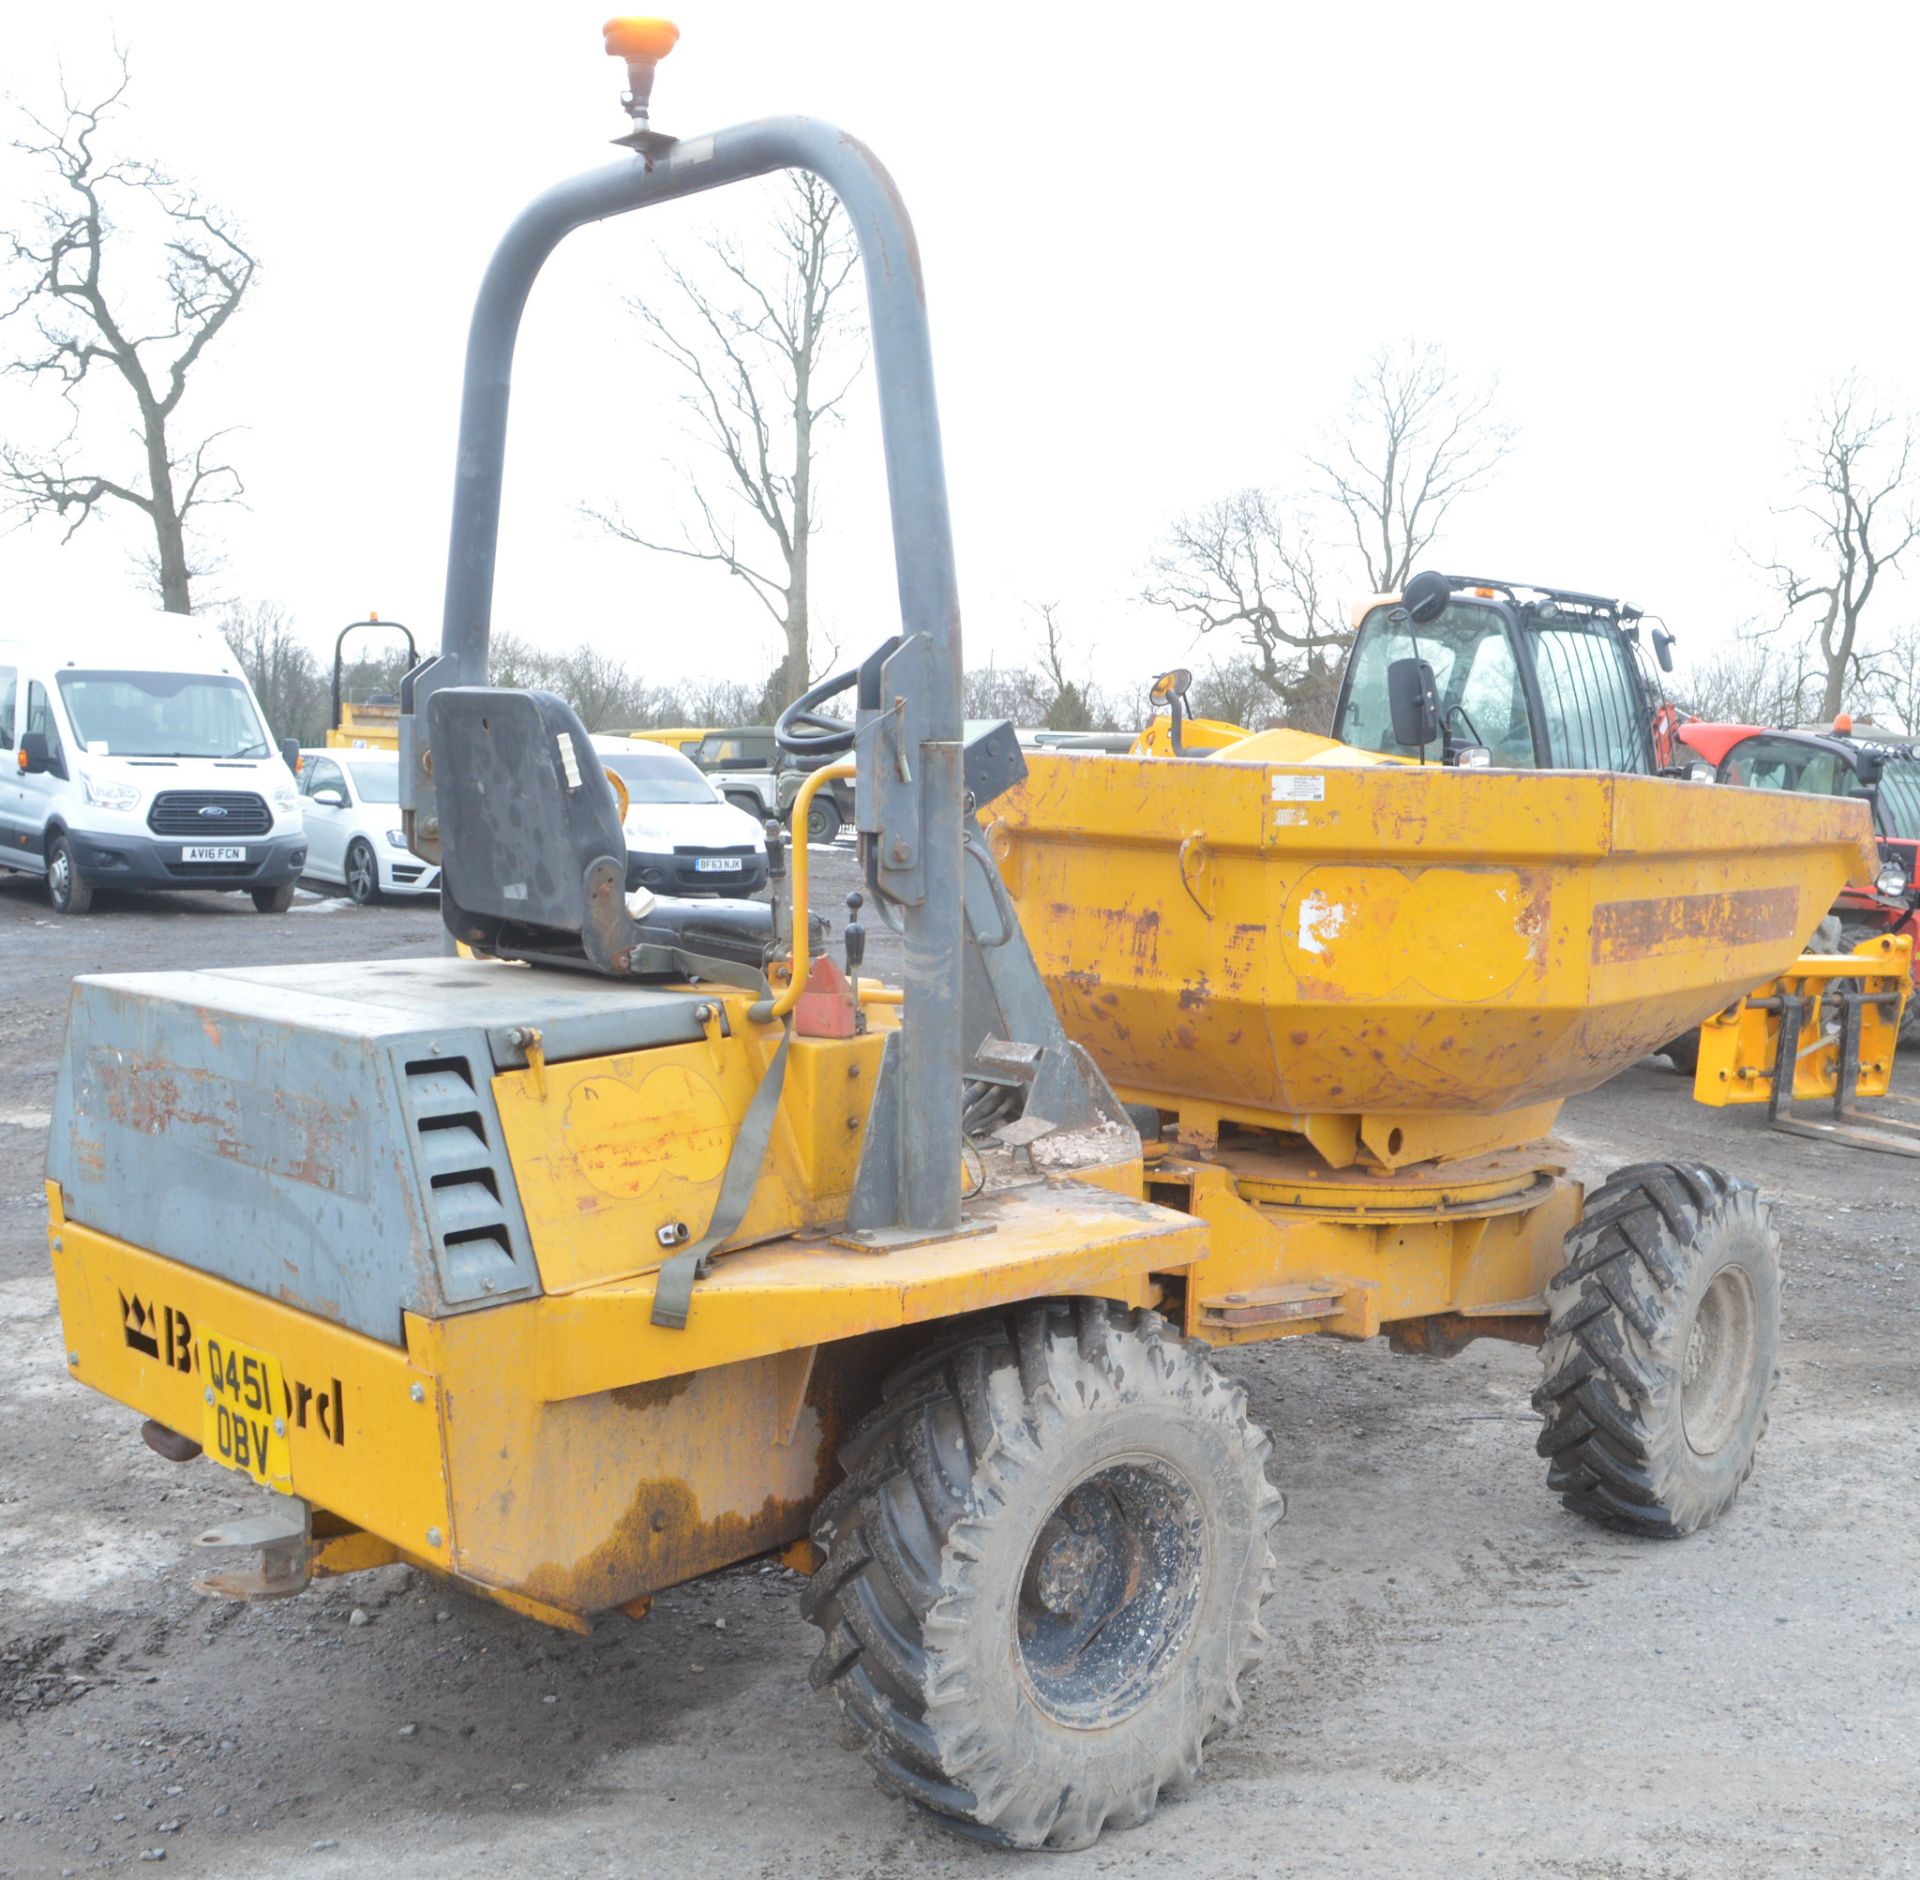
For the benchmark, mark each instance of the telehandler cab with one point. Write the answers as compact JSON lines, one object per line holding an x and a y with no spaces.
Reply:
{"x":649,"y":1238}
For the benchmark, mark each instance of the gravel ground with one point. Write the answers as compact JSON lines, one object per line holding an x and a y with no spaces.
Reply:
{"x":1463,"y":1677}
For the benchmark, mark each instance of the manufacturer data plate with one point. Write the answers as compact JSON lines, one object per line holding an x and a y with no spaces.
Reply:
{"x":1295,"y":789}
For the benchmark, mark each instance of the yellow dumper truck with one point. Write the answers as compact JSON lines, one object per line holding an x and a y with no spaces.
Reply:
{"x":646,"y":1236}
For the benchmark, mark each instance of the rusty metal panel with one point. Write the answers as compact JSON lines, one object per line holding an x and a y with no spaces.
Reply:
{"x":1321,"y":933}
{"x":324,"y":1135}
{"x":590,"y":1502}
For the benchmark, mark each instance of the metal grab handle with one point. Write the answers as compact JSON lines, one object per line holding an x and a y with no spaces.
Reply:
{"x":785,"y":1001}
{"x":1002,"y":901}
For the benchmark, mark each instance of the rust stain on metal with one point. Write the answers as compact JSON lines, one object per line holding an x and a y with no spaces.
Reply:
{"x":1447,"y":1334}
{"x":662,"y":1539}
{"x":653,"y":1393}
{"x":1686,"y":923}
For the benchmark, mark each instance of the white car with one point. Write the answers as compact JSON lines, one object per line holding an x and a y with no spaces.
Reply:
{"x":352,"y":805}
{"x":682,"y":836}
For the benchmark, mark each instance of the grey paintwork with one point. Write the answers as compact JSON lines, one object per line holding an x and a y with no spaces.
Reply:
{"x":325,"y":1135}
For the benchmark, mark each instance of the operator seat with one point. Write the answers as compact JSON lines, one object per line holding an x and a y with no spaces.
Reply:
{"x":533,"y":861}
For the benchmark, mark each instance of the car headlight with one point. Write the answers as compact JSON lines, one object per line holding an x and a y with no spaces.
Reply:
{"x":1891,"y":880}
{"x":105,"y":793}
{"x":286,"y":797}
{"x":396,"y":838}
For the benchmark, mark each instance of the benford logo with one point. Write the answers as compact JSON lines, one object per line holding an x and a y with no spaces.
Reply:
{"x":165,"y":1332}
{"x":212,"y":809}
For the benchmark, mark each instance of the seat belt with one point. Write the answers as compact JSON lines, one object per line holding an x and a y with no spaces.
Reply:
{"x":673,"y":1291}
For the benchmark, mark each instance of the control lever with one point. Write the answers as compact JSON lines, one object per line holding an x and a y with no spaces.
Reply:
{"x":776,"y":879}
{"x":856,"y":935}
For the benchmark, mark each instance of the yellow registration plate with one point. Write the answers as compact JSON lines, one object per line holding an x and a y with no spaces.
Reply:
{"x":244,"y":1424}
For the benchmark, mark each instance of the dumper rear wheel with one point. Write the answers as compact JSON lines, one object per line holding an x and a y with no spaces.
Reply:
{"x":1663,"y":1334}
{"x":1043,"y":1574}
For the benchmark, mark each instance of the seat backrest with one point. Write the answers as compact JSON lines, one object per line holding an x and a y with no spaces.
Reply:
{"x":526,"y":814}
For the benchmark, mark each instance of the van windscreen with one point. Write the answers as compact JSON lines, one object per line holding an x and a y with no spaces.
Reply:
{"x":162,"y":714}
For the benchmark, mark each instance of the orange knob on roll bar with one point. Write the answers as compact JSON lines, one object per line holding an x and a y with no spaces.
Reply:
{"x":641,"y":38}
{"x":643,"y":43}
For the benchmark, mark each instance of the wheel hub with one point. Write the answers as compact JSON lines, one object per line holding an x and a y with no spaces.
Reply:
{"x":1109,"y":1591}
{"x":1065,"y":1568}
{"x":1717,"y":1367}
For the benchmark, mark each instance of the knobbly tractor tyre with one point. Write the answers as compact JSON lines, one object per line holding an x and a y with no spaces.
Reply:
{"x":1663,"y":1332}
{"x":1043,"y":1573}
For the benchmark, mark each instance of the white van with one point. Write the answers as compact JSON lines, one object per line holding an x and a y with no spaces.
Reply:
{"x":133,"y":754}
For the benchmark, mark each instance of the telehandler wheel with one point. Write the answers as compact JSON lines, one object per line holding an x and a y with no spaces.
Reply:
{"x":1044,"y":1573}
{"x":1664,"y":1326}
{"x":1851,"y":934}
{"x":1683,"y":1052}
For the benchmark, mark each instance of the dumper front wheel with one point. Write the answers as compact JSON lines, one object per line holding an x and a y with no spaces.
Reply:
{"x":1663,"y":1334}
{"x":1043,"y":1574}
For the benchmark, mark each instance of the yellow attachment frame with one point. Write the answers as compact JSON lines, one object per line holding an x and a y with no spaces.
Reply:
{"x":1825,"y":1029}
{"x":1740,"y":1047}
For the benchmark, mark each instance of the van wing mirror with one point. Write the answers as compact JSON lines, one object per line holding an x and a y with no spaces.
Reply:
{"x":1414,"y":702}
{"x":290,"y":754}
{"x":35,"y":758}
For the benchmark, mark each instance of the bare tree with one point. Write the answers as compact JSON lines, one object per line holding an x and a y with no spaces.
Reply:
{"x":1244,"y":566}
{"x":763,"y":354}
{"x":98,"y":301}
{"x":1762,"y":678}
{"x":1071,"y":707}
{"x":285,"y":676}
{"x":1234,"y":691}
{"x":1016,"y":693}
{"x":1895,"y":687}
{"x":1270,"y":570}
{"x":1416,"y":440}
{"x":1856,"y":471}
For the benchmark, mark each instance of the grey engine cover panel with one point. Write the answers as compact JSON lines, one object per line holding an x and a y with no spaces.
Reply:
{"x":325,"y":1135}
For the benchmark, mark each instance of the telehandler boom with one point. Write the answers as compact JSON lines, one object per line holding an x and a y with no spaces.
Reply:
{"x":647,"y":1237}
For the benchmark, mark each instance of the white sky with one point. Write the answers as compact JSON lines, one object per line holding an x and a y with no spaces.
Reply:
{"x":1158,"y":243}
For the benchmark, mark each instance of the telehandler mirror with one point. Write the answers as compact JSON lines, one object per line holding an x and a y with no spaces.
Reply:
{"x":1663,"y":648}
{"x":1425,"y":597}
{"x":1414,"y":702}
{"x":1170,"y":690}
{"x":35,"y":758}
